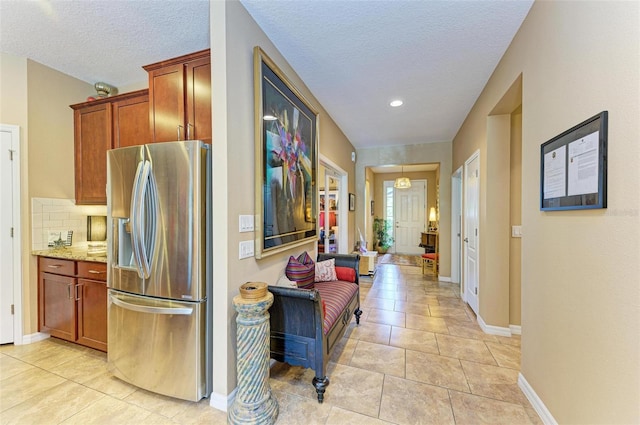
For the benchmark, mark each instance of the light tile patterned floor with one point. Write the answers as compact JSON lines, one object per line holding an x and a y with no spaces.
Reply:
{"x":417,"y":357}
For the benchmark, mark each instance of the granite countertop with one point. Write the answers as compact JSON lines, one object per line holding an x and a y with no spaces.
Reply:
{"x":69,"y":254}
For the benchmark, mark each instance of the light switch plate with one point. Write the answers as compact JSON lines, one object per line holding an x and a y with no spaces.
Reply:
{"x":246,"y":223}
{"x":246,"y":249}
{"x":516,"y":231}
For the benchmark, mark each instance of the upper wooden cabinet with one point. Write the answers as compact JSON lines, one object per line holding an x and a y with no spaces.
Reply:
{"x":101,"y":125}
{"x":131,"y":120}
{"x":180,"y":98}
{"x":92,"y":141}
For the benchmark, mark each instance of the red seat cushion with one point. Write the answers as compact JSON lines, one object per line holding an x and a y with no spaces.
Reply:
{"x":336,"y":296}
{"x":432,"y":256}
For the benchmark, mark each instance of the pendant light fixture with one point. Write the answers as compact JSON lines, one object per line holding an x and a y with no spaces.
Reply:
{"x":402,"y":182}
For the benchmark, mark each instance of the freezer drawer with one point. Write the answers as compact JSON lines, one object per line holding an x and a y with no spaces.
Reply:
{"x":159,"y":345}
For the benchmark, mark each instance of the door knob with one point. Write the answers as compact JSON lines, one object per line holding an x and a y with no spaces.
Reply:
{"x":466,"y":239}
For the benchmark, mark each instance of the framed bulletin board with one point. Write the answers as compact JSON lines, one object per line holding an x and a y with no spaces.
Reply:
{"x":573,"y":167}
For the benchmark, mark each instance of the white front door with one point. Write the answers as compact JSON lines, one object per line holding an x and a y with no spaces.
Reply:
{"x":410,"y":217}
{"x":7,"y":233}
{"x":471,"y":221}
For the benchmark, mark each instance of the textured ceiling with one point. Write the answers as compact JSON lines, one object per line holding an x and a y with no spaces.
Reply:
{"x":103,"y":40}
{"x":355,"y":56}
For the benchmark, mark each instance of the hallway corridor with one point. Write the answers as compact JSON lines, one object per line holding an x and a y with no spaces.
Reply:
{"x":418,"y":357}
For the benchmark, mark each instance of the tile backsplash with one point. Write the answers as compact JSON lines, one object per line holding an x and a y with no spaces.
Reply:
{"x":60,"y":215}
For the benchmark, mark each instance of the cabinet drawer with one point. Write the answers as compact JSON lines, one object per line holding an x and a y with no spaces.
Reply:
{"x":90,"y":270}
{"x":57,"y":266}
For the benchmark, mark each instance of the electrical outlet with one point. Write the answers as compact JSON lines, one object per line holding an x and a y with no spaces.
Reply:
{"x":246,"y":223}
{"x":246,"y":249}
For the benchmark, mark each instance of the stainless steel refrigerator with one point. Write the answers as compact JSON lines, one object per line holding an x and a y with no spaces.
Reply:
{"x":159,"y":274}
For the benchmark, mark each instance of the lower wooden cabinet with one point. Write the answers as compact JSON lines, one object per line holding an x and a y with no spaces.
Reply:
{"x":58,"y":306}
{"x":72,"y":300}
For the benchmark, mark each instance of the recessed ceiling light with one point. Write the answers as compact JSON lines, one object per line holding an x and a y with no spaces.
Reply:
{"x":396,"y":103}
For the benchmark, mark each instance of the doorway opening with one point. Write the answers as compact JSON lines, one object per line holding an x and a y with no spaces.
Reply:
{"x":471,"y":226}
{"x":333,"y":208}
{"x":407,"y":210}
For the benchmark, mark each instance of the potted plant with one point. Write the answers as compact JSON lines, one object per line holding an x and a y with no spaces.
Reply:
{"x":382,"y":229}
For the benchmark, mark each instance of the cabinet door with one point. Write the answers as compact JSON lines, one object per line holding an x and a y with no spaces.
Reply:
{"x":92,"y":141}
{"x":92,"y":313}
{"x":198,"y":99}
{"x":58,"y":305}
{"x":166,"y":103}
{"x":131,"y":122}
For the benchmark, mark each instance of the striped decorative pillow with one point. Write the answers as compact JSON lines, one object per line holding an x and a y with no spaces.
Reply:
{"x":301,"y":270}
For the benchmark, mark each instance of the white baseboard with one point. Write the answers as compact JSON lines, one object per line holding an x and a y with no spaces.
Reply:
{"x":31,"y":338}
{"x":493,"y":330}
{"x":538,"y":405}
{"x":221,"y":401}
{"x":516,"y":329}
{"x":444,"y":278}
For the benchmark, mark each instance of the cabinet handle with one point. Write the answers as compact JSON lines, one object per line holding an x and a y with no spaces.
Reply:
{"x":77,"y":293}
{"x":95,"y":272}
{"x":54,"y":266}
{"x":69,"y":291}
{"x":179,"y":127}
{"x":189,"y":125}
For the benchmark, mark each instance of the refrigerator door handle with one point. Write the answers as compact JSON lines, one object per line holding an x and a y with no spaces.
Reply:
{"x":135,"y":208}
{"x":146,"y":220}
{"x":150,"y":212}
{"x":144,"y":212}
{"x":185,"y":311}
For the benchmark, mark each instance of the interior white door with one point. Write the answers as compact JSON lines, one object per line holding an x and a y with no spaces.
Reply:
{"x":6,"y":242}
{"x":471,"y":237}
{"x":410,"y":218}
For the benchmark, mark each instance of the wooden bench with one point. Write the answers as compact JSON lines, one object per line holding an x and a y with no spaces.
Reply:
{"x":306,"y":324}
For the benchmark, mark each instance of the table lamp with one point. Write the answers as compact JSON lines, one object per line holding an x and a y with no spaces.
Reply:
{"x":432,"y":220}
{"x":96,"y":235}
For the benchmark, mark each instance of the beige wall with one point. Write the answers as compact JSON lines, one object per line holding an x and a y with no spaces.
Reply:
{"x":580,"y":292}
{"x":364,"y":214}
{"x":14,"y":111}
{"x":37,"y":98}
{"x":13,"y":91}
{"x":413,"y":154}
{"x":51,"y":164}
{"x":233,"y":37}
{"x":51,"y":152}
